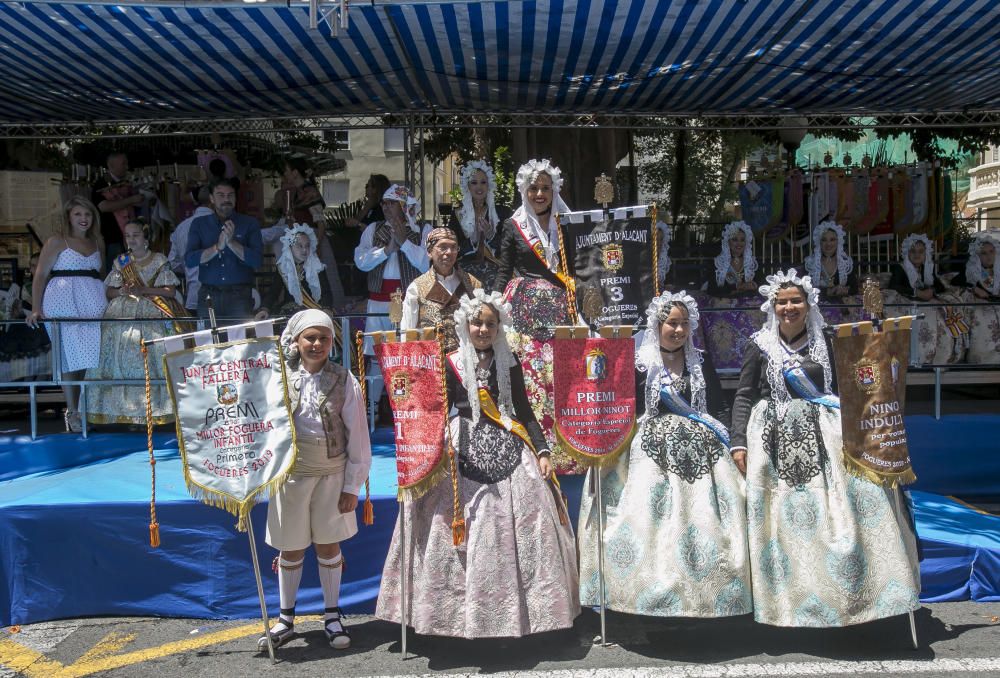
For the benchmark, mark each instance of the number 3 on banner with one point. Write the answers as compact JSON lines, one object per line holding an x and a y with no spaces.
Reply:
{"x":617,"y":294}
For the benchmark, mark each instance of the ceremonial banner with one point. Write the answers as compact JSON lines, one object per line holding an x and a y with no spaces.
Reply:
{"x":413,"y":379}
{"x":234,"y":426}
{"x":594,"y":395}
{"x":611,"y":260}
{"x":871,"y":372}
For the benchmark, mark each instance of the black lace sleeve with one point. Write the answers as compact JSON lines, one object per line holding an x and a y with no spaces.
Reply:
{"x":508,"y":254}
{"x":715,"y":399}
{"x":748,"y":393}
{"x":523,"y":411}
{"x":898,"y":282}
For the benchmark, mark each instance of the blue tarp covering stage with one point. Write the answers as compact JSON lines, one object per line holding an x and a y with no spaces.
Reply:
{"x":74,"y":539}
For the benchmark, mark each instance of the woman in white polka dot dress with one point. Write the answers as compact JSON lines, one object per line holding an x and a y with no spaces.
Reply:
{"x":68,"y":284}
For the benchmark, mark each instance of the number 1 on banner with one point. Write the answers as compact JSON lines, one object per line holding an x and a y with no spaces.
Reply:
{"x":399,"y":430}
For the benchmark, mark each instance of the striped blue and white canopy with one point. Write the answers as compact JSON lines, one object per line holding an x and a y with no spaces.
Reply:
{"x":72,"y":61}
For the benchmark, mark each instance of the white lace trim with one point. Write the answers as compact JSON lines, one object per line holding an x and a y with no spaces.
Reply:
{"x":814,"y":265}
{"x":648,"y":359}
{"x":467,"y":216}
{"x":502,"y":355}
{"x":974,"y":272}
{"x":911,"y":271}
{"x":768,"y":338}
{"x":724,"y":260}
{"x":549,"y":237}
{"x":312,"y":266}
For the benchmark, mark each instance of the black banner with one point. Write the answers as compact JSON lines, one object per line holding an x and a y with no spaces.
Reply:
{"x":611,"y":260}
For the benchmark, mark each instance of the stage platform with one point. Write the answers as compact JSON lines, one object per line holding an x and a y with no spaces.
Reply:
{"x":74,"y":518}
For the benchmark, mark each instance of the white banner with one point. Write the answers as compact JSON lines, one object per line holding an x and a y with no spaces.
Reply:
{"x":234,"y":426}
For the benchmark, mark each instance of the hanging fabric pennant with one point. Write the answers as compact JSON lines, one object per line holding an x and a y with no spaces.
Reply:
{"x":413,"y":379}
{"x":594,"y":394}
{"x":871,"y":372}
{"x":234,"y":425}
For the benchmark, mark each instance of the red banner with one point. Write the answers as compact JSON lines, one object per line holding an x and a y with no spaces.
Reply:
{"x":594,"y":397}
{"x":413,"y":379}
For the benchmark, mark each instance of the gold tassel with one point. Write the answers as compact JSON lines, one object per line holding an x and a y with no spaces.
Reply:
{"x":458,"y":522}
{"x":457,"y":532}
{"x":154,"y":526}
{"x":368,"y":512}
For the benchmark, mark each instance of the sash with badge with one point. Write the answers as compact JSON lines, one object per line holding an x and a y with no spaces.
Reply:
{"x":611,"y":255}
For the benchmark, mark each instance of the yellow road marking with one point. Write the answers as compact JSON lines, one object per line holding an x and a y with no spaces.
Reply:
{"x":101,"y":657}
{"x":24,"y":660}
{"x":110,"y":644}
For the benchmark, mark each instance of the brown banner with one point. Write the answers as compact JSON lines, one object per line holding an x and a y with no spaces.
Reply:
{"x":871,"y":372}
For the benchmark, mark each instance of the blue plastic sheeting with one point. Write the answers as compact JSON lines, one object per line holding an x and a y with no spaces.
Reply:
{"x":74,"y":541}
{"x":961,"y":550}
{"x":22,"y":456}
{"x":956,"y":455}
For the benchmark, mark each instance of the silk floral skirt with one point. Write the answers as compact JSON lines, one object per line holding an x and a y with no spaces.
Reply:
{"x":514,"y":575}
{"x":536,"y":306}
{"x":932,"y":339}
{"x":984,"y":330}
{"x":675,"y":536}
{"x":827,"y":548}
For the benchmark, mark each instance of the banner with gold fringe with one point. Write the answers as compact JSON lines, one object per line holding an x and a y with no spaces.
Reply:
{"x":234,"y":424}
{"x":412,"y":372}
{"x":594,"y":395}
{"x":871,"y":372}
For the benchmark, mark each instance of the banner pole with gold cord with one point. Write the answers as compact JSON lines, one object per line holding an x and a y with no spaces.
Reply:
{"x":874,"y":305}
{"x":253,"y":542}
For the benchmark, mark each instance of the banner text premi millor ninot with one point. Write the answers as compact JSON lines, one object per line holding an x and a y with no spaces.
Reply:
{"x":234,"y":427}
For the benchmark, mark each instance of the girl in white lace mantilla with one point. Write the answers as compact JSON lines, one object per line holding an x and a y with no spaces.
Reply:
{"x":515,"y":573}
{"x":736,"y":266}
{"x":675,"y":541}
{"x":829,"y":265}
{"x":827,"y":548}
{"x":982,"y":290}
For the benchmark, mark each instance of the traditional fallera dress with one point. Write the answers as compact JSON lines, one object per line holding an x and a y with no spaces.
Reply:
{"x":121,"y":356}
{"x":983,"y":314}
{"x":942,"y":336}
{"x":537,"y":296}
{"x":515,"y":574}
{"x":675,"y":535}
{"x":827,"y":548}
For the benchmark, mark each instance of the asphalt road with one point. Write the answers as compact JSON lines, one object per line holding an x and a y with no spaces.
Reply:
{"x":955,"y":639}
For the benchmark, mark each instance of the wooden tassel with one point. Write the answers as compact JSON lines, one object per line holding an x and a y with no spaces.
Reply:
{"x":154,"y":535}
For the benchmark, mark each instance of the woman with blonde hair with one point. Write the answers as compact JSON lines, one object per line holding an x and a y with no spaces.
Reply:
{"x":68,"y":284}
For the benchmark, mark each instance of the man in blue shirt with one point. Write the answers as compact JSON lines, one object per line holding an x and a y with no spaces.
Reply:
{"x":227,"y":249}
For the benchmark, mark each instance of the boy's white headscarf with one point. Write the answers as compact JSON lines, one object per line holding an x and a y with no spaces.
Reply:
{"x":468,"y":216}
{"x":725,"y":258}
{"x":768,"y":338}
{"x":311,"y":267}
{"x":297,"y":324}
{"x":548,"y":235}
{"x":648,"y":359}
{"x":503,"y":358}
